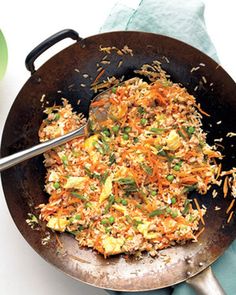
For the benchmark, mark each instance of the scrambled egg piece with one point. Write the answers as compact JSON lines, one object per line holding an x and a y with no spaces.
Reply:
{"x":107,"y":189}
{"x":89,"y":142}
{"x":120,"y":208}
{"x":143,"y":229}
{"x":58,"y":224}
{"x":75,"y":182}
{"x":173,"y":140}
{"x":112,"y":245}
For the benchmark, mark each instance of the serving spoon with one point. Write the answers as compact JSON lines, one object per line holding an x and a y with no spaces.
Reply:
{"x":99,"y":114}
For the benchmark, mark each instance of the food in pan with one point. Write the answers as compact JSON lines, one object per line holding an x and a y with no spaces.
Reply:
{"x":123,"y":187}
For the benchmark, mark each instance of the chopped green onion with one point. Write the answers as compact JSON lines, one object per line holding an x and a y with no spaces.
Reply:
{"x":147,"y":169}
{"x":156,"y":212}
{"x":106,"y":132}
{"x":56,"y":117}
{"x":189,"y":188}
{"x":64,"y":160}
{"x":78,"y":217}
{"x":83,"y":198}
{"x":112,"y":159}
{"x":170,"y":177}
{"x":186,"y":206}
{"x":56,"y":185}
{"x":141,"y":110}
{"x":157,"y":130}
{"x":173,"y":200}
{"x":111,"y":199}
{"x":127,"y":180}
{"x":181,"y":134}
{"x":162,"y":153}
{"x":114,"y":90}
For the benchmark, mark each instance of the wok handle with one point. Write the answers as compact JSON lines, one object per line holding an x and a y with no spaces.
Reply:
{"x":206,"y":283}
{"x":49,"y":42}
{"x":36,"y":150}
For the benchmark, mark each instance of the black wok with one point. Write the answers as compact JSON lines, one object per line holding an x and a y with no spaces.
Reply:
{"x":58,"y":78}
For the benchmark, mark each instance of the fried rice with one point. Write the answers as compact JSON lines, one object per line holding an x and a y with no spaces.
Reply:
{"x":123,"y":187}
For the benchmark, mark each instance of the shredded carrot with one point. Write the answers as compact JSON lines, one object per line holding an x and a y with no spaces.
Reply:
{"x":199,"y":210}
{"x":230,"y":206}
{"x":218,"y":171}
{"x":99,"y":102}
{"x":201,"y":110}
{"x":230,"y":216}
{"x":59,"y":242}
{"x":225,"y":186}
{"x":199,"y":233}
{"x":189,"y":180}
{"x":223,"y":173}
{"x":99,"y":76}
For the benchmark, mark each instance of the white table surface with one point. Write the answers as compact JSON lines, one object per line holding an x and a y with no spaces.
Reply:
{"x":25,"y":24}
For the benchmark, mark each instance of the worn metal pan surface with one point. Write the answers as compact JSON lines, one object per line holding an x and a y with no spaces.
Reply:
{"x":58,"y":78}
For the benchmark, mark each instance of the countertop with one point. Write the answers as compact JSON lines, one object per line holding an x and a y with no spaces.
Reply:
{"x":25,"y":24}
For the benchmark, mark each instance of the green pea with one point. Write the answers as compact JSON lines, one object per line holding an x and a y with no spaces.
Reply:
{"x":107,"y":133}
{"x":125,"y":136}
{"x":136,"y":139}
{"x":127,"y":129}
{"x":111,"y":219}
{"x":170,"y":177}
{"x":153,"y":193}
{"x":115,"y":128}
{"x":173,"y":200}
{"x":56,"y":185}
{"x":124,"y":202}
{"x":143,"y":121}
{"x":177,"y":167}
{"x":141,"y":110}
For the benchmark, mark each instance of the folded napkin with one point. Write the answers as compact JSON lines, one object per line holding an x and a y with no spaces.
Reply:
{"x":183,"y":20}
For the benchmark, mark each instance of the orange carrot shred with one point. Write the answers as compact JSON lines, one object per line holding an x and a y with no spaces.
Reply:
{"x":230,"y":206}
{"x":225,"y":186}
{"x":201,"y":110}
{"x":59,"y":242}
{"x":99,"y":76}
{"x":199,"y":210}
{"x":230,"y":216}
{"x":199,"y":233}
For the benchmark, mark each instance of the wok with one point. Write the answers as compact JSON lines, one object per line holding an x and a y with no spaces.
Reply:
{"x":63,"y":76}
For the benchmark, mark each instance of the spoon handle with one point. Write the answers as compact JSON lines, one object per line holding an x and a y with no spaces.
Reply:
{"x":21,"y":156}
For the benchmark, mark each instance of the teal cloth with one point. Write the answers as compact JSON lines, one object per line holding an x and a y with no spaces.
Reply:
{"x":183,"y":20}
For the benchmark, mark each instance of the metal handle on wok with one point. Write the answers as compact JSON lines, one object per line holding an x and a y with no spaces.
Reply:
{"x":29,"y":153}
{"x":206,"y":283}
{"x":49,"y":42}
